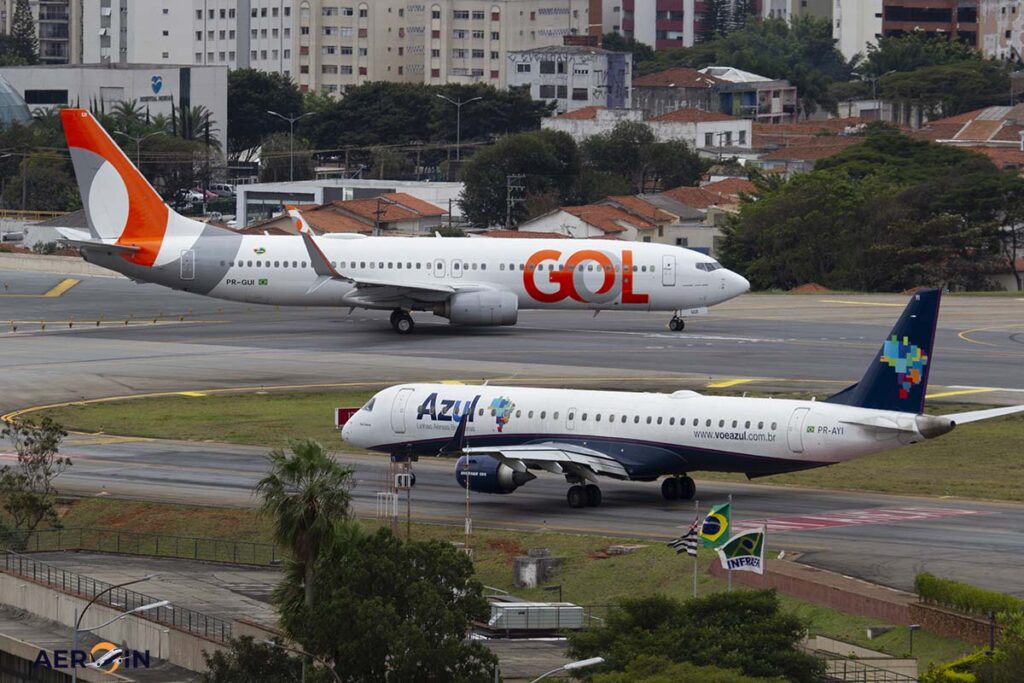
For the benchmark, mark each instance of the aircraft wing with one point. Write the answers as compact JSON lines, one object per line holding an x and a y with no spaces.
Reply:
{"x":977,"y":415}
{"x":555,"y":457}
{"x":375,"y":292}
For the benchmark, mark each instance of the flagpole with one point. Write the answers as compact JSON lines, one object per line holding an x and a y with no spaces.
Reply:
{"x":696,"y":511}
{"x":728,"y":568}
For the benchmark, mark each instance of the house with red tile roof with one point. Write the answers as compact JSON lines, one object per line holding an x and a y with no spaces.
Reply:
{"x":392,"y":213}
{"x":593,"y":221}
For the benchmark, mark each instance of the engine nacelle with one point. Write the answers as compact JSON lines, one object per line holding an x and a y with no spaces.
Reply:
{"x":484,"y":308}
{"x":488,"y":475}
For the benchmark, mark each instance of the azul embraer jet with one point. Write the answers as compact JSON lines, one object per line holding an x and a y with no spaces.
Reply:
{"x":478,"y":282}
{"x":506,"y":434}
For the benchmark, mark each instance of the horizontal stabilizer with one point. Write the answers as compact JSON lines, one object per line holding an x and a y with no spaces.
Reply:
{"x":82,"y":239}
{"x":978,"y":415}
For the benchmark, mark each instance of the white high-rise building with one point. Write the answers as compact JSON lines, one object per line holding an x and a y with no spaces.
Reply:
{"x":135,"y":32}
{"x":855,"y":23}
{"x":58,"y":25}
{"x":791,"y":9}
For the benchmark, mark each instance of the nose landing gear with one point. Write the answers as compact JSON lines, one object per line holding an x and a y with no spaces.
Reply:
{"x":676,"y":324}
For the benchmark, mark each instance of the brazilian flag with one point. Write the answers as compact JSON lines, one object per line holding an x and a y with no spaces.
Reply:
{"x":714,"y":530}
{"x":744,"y":553}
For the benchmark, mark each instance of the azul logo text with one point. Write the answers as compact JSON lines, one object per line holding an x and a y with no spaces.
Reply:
{"x":446,"y":409}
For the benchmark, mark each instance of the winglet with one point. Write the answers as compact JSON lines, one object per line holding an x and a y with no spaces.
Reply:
{"x":321,"y":264}
{"x":297,"y":220}
{"x":458,"y":442}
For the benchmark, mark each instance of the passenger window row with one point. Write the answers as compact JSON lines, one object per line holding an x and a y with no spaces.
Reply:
{"x":410,"y":265}
{"x":623,"y":419}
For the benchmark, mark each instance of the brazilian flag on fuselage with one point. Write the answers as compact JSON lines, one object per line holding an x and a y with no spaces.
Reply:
{"x":714,"y":530}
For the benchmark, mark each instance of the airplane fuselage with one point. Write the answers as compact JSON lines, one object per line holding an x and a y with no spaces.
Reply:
{"x":543,"y":274}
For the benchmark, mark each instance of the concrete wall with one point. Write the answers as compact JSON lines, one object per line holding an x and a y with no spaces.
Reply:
{"x":951,"y":624}
{"x":60,"y":265}
{"x":177,"y":647}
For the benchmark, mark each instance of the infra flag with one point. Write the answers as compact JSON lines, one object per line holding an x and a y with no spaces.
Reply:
{"x":687,"y":542}
{"x":744,"y":553}
{"x":715,"y":528}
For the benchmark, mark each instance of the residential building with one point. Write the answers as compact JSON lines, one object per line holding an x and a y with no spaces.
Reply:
{"x":574,"y":77}
{"x":260,"y":201}
{"x":136,"y":32}
{"x":243,"y":34}
{"x":1001,"y":29}
{"x":711,"y":133}
{"x":158,"y":88}
{"x":793,"y":9}
{"x":748,"y":95}
{"x":340,"y":43}
{"x":389,"y":213}
{"x":58,"y":26}
{"x":592,"y":221}
{"x":672,"y":89}
{"x":800,"y":158}
{"x":662,"y":24}
{"x":855,"y":24}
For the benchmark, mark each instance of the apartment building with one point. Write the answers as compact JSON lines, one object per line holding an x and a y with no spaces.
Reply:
{"x":573,"y":77}
{"x":793,"y":9}
{"x":58,"y":25}
{"x":136,"y":32}
{"x":339,"y":43}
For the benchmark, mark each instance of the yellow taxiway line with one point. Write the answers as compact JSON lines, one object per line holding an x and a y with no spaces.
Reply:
{"x":725,"y":384}
{"x":861,"y":303}
{"x":60,"y":289}
{"x":961,"y":392}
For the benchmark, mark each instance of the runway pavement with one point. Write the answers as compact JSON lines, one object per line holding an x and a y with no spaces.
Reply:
{"x":109,"y":337}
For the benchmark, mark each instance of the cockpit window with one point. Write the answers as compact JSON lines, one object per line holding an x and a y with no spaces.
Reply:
{"x":709,"y":266}
{"x":369,"y":405}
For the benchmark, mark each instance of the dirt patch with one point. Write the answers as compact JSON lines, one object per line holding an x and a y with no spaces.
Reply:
{"x":507,"y":547}
{"x":810,"y":288}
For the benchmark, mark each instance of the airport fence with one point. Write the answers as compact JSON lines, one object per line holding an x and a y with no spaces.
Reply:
{"x":847,"y":670}
{"x":123,"y":599}
{"x":140,"y":543}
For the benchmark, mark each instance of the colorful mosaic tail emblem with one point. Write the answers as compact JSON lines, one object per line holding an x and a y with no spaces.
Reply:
{"x":501,"y":409}
{"x":907,"y":360}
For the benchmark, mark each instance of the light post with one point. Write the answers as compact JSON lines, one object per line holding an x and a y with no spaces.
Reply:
{"x":79,"y":615}
{"x":458,"y":122}
{"x":138,"y":143}
{"x":913,"y":627}
{"x":324,"y":663}
{"x":571,"y":666}
{"x":291,"y":138}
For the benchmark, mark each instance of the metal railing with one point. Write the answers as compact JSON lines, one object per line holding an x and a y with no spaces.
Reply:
{"x":123,"y":599}
{"x":848,"y":670}
{"x":138,"y":543}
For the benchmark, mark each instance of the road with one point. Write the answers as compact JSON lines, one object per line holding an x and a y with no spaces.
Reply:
{"x":177,"y":342}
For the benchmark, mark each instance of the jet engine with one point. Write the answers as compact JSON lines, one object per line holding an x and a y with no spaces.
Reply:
{"x":489,"y":475}
{"x":484,"y":308}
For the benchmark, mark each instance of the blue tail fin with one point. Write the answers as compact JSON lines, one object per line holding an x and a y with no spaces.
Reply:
{"x":898,"y":377}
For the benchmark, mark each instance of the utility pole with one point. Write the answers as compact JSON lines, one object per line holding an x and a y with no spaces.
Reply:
{"x":138,"y":144}
{"x":513,"y":186}
{"x":376,"y":217}
{"x":291,"y":138}
{"x":458,"y":122}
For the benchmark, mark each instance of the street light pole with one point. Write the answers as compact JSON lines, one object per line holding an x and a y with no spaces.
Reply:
{"x":458,"y":122}
{"x":571,"y":666}
{"x":291,"y":138}
{"x":138,"y":143}
{"x":79,"y":615}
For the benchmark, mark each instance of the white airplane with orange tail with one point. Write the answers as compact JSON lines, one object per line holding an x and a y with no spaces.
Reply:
{"x":473,"y":282}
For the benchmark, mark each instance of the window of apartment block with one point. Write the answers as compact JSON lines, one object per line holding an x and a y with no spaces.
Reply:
{"x":562,"y":67}
{"x":435,"y":53}
{"x":547,"y":92}
{"x":522,"y":68}
{"x":435,"y":73}
{"x":495,"y":54}
{"x":580,"y":94}
{"x":363,"y":52}
{"x":709,"y":139}
{"x":478,"y":35}
{"x":460,"y":14}
{"x":495,"y":16}
{"x":435,"y":14}
{"x":328,"y":11}
{"x":363,"y":13}
{"x":346,"y":49}
{"x":478,"y":54}
{"x":563,"y":92}
{"x":547,"y":67}
{"x":495,"y":35}
{"x":742,"y":137}
{"x":478,"y":15}
{"x":345,"y":70}
{"x":494,"y":74}
{"x":728,"y":138}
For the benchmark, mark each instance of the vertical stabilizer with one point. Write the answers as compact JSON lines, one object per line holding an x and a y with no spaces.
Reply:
{"x":898,"y":377}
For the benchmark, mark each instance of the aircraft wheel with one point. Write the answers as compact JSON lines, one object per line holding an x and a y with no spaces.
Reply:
{"x":577,"y":496}
{"x":402,"y":322}
{"x":687,"y":488}
{"x":670,"y":488}
{"x":593,"y":495}
{"x":676,"y":324}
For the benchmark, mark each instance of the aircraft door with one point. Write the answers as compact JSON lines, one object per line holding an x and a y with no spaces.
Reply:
{"x":668,"y":271}
{"x":398,"y":410}
{"x":188,"y":265}
{"x":795,"y":433}
{"x":439,"y":267}
{"x":570,"y":419}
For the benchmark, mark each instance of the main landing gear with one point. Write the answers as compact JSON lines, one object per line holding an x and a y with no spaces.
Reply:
{"x":678,"y":488}
{"x":583,"y":496}
{"x":676,"y":324}
{"x":402,"y":321}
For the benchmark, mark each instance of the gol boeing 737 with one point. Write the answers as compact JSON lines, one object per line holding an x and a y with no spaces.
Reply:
{"x":507,"y":433}
{"x":469,"y":281}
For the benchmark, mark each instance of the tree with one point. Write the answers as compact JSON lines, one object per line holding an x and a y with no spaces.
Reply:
{"x":43,"y":183}
{"x":616,"y":42}
{"x":276,"y":158}
{"x":548,"y":162}
{"x":29,"y":497}
{"x":949,"y":89}
{"x":742,"y":630}
{"x":388,"y":163}
{"x":912,"y":51}
{"x":245,"y":660}
{"x":630,"y":151}
{"x":251,"y":94}
{"x":307,"y":497}
{"x":390,"y":610}
{"x":652,"y":669}
{"x":24,"y":40}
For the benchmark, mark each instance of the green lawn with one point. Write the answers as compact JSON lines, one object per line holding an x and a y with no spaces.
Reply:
{"x":980,"y":460}
{"x":590,"y":577}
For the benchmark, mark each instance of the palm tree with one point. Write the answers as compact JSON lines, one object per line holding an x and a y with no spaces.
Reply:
{"x":129,"y":115}
{"x":307,"y":496}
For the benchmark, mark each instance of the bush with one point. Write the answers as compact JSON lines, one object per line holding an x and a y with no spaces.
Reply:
{"x":963,"y":597}
{"x":45,"y":248}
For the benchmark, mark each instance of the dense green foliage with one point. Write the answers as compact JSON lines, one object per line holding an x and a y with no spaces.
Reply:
{"x":1002,"y":665}
{"x":888,"y":214}
{"x":803,"y":51}
{"x":964,"y":597}
{"x":650,"y":669}
{"x":912,"y":51}
{"x":949,"y":89}
{"x":276,"y":158}
{"x":251,"y":94}
{"x":616,"y":42}
{"x":23,"y":45}
{"x":743,"y":630}
{"x":390,"y":610}
{"x":27,"y":495}
{"x":556,"y":172}
{"x":246,"y":660}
